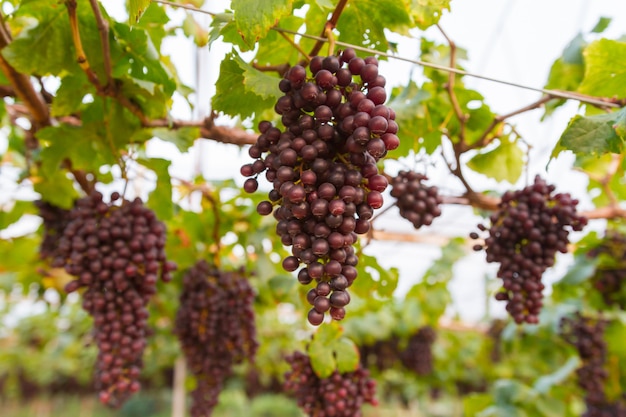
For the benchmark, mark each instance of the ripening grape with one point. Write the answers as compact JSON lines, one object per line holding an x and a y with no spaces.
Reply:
{"x":417,"y":202}
{"x":418,"y":355}
{"x":339,"y":395}
{"x":116,"y":253}
{"x":530,"y":226}
{"x":586,"y":334}
{"x":322,"y":167}
{"x":609,"y":278}
{"x":216,"y":329}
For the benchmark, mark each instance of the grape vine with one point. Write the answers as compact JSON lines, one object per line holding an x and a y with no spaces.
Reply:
{"x":117,"y":253}
{"x":587,"y":336}
{"x":339,"y":395}
{"x":417,"y":202}
{"x":527,"y":231}
{"x":216,"y":329}
{"x":418,"y":354}
{"x":322,"y":167}
{"x":610,"y":276}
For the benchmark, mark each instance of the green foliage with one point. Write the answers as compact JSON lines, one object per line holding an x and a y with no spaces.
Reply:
{"x":504,"y":163}
{"x":604,"y":77}
{"x":255,"y":18}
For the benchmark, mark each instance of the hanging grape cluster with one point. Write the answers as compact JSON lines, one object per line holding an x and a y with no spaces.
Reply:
{"x":526,"y":232}
{"x":117,"y":254}
{"x":381,"y":354}
{"x":216,"y":329}
{"x":339,"y":395}
{"x":610,"y":276}
{"x":418,"y":354}
{"x":323,"y":170}
{"x":54,"y":221}
{"x":417,"y":202}
{"x":587,"y":336}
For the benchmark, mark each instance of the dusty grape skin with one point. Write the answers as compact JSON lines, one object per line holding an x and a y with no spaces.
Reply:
{"x":322,"y":165}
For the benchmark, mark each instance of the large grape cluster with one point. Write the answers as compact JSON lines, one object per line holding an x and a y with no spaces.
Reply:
{"x":610,"y":276}
{"x":587,"y":336}
{"x":117,"y":253}
{"x":526,"y":232}
{"x":323,"y":170}
{"x":339,"y":395}
{"x":418,"y":354}
{"x":54,"y":221}
{"x":417,"y":202}
{"x":216,"y":329}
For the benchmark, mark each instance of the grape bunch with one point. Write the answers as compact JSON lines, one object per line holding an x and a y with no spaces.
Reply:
{"x":117,"y":254}
{"x":417,"y":202}
{"x":587,"y":336}
{"x":609,"y":278}
{"x":339,"y":395}
{"x":216,"y":329}
{"x":418,"y":354}
{"x":528,"y":229}
{"x":323,"y":170}
{"x":382,"y":354}
{"x":54,"y":221}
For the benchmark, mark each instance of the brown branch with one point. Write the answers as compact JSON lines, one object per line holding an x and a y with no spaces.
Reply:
{"x":103,"y":28}
{"x":485,"y":139}
{"x":450,"y":88}
{"x":281,"y":69}
{"x":330,"y":25}
{"x":306,"y":56}
{"x":21,"y":84}
{"x":81,"y":57}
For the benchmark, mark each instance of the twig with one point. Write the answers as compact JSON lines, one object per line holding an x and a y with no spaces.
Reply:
{"x":330,"y":25}
{"x":485,"y":139}
{"x":462,"y":117}
{"x":306,"y":56}
{"x":81,"y":57}
{"x":21,"y":83}
{"x":103,"y":28}
{"x":281,"y":69}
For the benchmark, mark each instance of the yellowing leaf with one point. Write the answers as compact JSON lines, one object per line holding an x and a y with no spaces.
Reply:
{"x":255,"y":18}
{"x":503,"y":163}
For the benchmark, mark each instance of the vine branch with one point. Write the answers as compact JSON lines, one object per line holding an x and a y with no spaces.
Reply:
{"x":103,"y":29}
{"x":81,"y":57}
{"x":462,"y":117}
{"x":329,"y":26}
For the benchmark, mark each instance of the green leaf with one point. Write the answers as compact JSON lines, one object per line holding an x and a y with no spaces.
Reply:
{"x":260,"y":83}
{"x":322,"y":359}
{"x":18,"y":209}
{"x":71,"y":94}
{"x":183,"y":138}
{"x":504,"y":163}
{"x":44,"y":44}
{"x":363,"y":22}
{"x":593,"y":135}
{"x":232,"y":97}
{"x":136,"y":9}
{"x":255,"y":18}
{"x":346,"y":354}
{"x":582,"y":269}
{"x":545,"y":383}
{"x":602,"y":24}
{"x":473,"y":403}
{"x":605,"y":76}
{"x":56,"y":188}
{"x":160,"y":199}
{"x":426,"y":13}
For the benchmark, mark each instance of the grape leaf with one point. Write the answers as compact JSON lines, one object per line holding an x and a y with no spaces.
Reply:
{"x":16,"y":212}
{"x":364,"y":22}
{"x":260,"y":83}
{"x":56,"y":188}
{"x":426,"y":13}
{"x":322,"y":359}
{"x":605,"y":76}
{"x":183,"y":138}
{"x":160,"y":199}
{"x":44,"y":46}
{"x":504,"y":163}
{"x":346,"y":354}
{"x":591,"y":135}
{"x":153,"y":21}
{"x":71,"y":94}
{"x":136,"y":9}
{"x":544,"y":383}
{"x":232,"y":97}
{"x":255,"y":18}
{"x":602,"y":24}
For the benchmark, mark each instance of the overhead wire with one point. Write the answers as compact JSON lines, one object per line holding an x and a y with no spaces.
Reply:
{"x":553,"y":93}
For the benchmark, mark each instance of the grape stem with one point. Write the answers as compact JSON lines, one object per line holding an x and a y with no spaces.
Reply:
{"x":329,"y":26}
{"x":103,"y":28}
